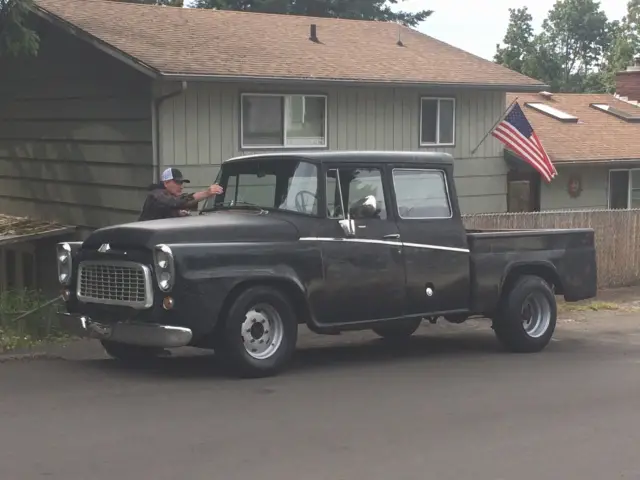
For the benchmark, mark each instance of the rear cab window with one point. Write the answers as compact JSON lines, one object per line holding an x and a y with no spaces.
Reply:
{"x":421,"y":193}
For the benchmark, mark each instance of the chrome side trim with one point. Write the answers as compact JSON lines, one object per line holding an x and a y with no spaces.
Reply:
{"x":148,"y":286}
{"x":436,"y":247}
{"x":385,"y":242}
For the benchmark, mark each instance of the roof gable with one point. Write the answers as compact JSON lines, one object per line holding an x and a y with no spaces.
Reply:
{"x":186,"y":42}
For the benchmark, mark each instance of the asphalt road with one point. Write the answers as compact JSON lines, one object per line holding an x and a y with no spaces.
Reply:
{"x":449,"y":406}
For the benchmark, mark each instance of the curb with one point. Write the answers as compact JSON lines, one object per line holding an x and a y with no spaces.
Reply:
{"x":8,"y":357}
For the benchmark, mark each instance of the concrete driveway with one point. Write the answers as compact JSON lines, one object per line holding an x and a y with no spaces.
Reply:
{"x":451,"y":405}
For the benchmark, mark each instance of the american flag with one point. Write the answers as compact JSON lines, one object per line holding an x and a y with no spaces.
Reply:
{"x":517,"y":134}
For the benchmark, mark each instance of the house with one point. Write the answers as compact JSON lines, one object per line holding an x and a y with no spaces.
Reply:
{"x":594,"y":142}
{"x":120,"y":91}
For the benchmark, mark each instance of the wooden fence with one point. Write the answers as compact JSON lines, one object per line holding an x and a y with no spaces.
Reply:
{"x":617,"y":234}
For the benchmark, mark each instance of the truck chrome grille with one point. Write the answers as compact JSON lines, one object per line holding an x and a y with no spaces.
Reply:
{"x":115,"y":283}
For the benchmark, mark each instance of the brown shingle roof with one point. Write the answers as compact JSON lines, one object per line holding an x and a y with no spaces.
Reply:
{"x":597,"y":136}
{"x":186,"y":41}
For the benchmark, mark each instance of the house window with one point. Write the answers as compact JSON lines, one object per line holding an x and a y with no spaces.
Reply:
{"x":437,"y":121}
{"x":284,"y":121}
{"x":624,"y":189}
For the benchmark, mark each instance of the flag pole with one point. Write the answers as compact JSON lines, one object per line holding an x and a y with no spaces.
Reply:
{"x":504,"y":114}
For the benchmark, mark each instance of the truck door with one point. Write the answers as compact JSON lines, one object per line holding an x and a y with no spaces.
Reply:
{"x":363,"y":270}
{"x":435,"y":251}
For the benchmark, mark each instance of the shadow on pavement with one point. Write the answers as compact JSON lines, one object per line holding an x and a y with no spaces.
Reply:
{"x":319,"y":358}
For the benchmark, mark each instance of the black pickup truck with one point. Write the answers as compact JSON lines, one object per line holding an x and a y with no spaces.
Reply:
{"x":334,"y":240}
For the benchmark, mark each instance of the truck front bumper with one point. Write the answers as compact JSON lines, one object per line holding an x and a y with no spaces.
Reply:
{"x":129,"y":333}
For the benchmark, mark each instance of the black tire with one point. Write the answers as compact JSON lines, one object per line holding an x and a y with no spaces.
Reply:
{"x":130,"y":353}
{"x":532,"y":293}
{"x":398,"y":330}
{"x":230,"y":345}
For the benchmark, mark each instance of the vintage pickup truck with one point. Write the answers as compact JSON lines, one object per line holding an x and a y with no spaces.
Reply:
{"x":334,"y":240}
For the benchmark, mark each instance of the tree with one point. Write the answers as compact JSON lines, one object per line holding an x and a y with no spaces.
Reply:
{"x":570,"y":53}
{"x":527,"y":53}
{"x":352,"y":9}
{"x":16,"y":38}
{"x":518,"y":40}
{"x":623,"y":48}
{"x":577,"y":33}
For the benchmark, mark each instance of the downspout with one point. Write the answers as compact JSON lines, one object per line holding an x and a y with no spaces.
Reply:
{"x":156,"y":102}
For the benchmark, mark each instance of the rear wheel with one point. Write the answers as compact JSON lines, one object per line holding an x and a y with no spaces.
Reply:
{"x":130,"y":353}
{"x":259,"y":335}
{"x":398,"y":330}
{"x":527,"y":316}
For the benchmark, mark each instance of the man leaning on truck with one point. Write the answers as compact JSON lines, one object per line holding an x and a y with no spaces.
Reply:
{"x":166,"y":200}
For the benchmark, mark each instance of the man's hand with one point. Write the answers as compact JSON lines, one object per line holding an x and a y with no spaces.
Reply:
{"x":209,"y":192}
{"x":215,"y":190}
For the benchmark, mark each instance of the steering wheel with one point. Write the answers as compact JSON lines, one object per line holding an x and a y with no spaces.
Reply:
{"x":301,"y":205}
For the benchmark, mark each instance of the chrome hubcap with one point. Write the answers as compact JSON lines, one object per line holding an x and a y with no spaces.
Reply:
{"x":536,"y":315}
{"x":262,"y":331}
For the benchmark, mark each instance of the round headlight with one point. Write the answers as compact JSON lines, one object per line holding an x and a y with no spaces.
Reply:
{"x":164,"y":267}
{"x":64,"y":263}
{"x":164,"y":280}
{"x":163,"y":260}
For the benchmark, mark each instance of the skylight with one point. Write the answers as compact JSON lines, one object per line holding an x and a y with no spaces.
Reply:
{"x":552,"y":112}
{"x":626,"y":116}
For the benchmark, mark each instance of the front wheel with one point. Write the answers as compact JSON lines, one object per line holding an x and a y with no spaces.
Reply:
{"x":259,"y":335}
{"x":527,"y":316}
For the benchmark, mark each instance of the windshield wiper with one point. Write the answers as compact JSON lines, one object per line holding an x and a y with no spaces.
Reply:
{"x":233,"y":203}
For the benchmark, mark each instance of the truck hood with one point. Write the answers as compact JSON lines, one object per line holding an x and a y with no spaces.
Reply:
{"x":222,"y":226}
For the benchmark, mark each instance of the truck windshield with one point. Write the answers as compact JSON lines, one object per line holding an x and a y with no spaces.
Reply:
{"x":271,"y":184}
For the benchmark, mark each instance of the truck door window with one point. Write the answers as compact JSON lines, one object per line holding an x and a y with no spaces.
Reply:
{"x":355,"y":184}
{"x":421,"y":194}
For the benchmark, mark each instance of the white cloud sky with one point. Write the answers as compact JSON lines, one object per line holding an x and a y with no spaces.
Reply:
{"x":477,"y":26}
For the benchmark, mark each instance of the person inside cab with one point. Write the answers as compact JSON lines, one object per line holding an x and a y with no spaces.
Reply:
{"x":166,"y":200}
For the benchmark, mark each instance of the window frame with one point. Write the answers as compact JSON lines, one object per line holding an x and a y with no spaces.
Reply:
{"x":629,"y":186}
{"x":455,"y":116}
{"x":319,"y":192}
{"x":419,"y":169}
{"x":286,"y":97}
{"x":386,"y":192}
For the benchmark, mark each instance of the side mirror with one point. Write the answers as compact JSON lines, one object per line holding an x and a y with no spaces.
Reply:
{"x":348,"y":227}
{"x":366,"y":207}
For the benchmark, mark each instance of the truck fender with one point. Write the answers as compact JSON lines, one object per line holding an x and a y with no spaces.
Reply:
{"x":541,"y":268}
{"x":281,"y":276}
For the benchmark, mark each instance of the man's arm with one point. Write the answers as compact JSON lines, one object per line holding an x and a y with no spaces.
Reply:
{"x":185,"y":202}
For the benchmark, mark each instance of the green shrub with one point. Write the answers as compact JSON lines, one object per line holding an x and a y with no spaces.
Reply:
{"x":28,"y":319}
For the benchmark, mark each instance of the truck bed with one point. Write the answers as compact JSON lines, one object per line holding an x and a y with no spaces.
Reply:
{"x":566,"y":258}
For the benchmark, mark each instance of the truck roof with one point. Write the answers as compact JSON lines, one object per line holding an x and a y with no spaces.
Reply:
{"x":421,"y":158}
